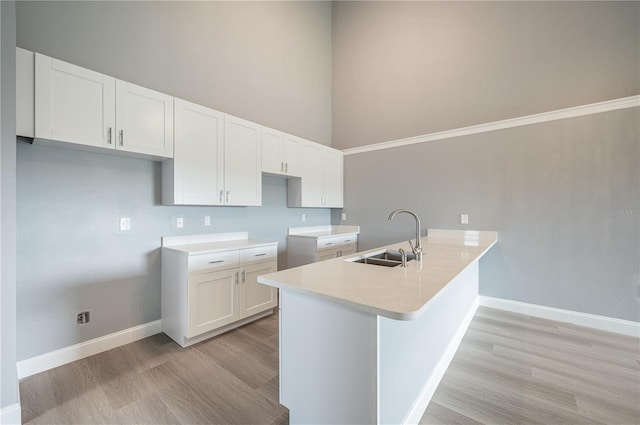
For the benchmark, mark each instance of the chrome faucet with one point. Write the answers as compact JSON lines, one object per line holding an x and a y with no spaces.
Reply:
{"x":417,"y":247}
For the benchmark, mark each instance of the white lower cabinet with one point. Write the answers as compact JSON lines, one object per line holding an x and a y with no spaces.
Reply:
{"x":205,"y":294}
{"x":310,"y":247}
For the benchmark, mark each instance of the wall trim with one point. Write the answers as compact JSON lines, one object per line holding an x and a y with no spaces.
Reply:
{"x":429,"y":388}
{"x":11,"y":414}
{"x":79,"y":351}
{"x":576,"y":111}
{"x":609,"y":324}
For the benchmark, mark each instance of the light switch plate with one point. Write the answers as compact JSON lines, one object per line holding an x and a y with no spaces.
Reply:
{"x":179,"y":222}
{"x":464,"y":218}
{"x":344,"y":216}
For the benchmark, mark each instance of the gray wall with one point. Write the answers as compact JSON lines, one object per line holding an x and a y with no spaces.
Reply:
{"x":267,"y":62}
{"x":564,"y":197}
{"x":8,"y":373}
{"x":403,"y":69}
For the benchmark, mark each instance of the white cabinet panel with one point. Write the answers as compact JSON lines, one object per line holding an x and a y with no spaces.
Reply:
{"x":195,"y":176}
{"x":322,"y":178}
{"x":243,"y":162}
{"x":256,"y":297}
{"x":272,"y":161}
{"x":73,"y":104}
{"x":144,"y":120}
{"x":212,"y":301}
{"x":25,"y":80}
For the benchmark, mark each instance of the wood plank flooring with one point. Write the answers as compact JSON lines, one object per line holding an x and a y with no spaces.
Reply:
{"x":509,"y":369}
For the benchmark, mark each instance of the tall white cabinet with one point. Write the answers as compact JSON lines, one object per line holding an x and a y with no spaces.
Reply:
{"x":195,"y":175}
{"x":210,"y":284}
{"x":83,"y":107}
{"x":322,"y":178}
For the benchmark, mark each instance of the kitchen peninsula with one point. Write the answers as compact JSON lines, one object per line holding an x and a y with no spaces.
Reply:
{"x":361,"y":343}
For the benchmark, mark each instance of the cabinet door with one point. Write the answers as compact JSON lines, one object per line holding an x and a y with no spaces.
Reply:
{"x":291,"y":155}
{"x":242,"y":162}
{"x":197,"y":172}
{"x":272,"y":161}
{"x":332,"y":178}
{"x":256,"y":297}
{"x":211,"y":301}
{"x":312,"y":175}
{"x":348,"y":249}
{"x":327,"y":254}
{"x":73,"y":104}
{"x":144,"y":120}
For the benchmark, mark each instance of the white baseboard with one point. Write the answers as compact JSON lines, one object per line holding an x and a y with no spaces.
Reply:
{"x":11,"y":415}
{"x":625,"y":327}
{"x":75,"y":352}
{"x":422,"y":401}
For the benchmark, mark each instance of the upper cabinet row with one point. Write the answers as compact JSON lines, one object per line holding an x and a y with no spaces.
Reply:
{"x":209,"y":157}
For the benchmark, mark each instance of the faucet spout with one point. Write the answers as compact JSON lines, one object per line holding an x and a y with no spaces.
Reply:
{"x":417,"y":247}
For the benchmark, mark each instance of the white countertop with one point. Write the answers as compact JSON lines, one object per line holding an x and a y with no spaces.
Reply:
{"x":394,"y":292}
{"x":319,"y":232}
{"x":213,"y":242}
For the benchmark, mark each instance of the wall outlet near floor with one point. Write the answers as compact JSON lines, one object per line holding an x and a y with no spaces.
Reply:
{"x":207,"y":220}
{"x":83,"y":318}
{"x":464,"y":218}
{"x":179,"y":222}
{"x":125,"y":224}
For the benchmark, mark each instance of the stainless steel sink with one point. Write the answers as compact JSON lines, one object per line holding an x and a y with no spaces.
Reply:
{"x":389,"y":258}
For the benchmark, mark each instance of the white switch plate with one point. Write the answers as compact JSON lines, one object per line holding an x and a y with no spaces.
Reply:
{"x":464,"y":218}
{"x":303,"y":218}
{"x":125,"y":224}
{"x":207,"y":220}
{"x":344,"y":216}
{"x":179,"y":222}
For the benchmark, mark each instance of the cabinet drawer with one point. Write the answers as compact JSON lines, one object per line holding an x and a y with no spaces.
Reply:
{"x":204,"y":263}
{"x":335,"y":242}
{"x":258,"y":255}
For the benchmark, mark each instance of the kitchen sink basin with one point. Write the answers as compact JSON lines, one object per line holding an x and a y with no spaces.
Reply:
{"x":389,"y":258}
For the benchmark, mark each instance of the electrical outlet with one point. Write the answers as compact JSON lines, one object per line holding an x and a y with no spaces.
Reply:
{"x":464,"y":218}
{"x":125,"y":224}
{"x":303,"y":218}
{"x":344,"y":216}
{"x":179,"y":222}
{"x":83,"y":318}
{"x":207,"y":220}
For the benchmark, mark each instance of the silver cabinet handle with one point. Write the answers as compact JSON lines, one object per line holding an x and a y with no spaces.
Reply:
{"x":236,"y":281}
{"x":282,"y":166}
{"x":216,"y":261}
{"x":228,"y":196}
{"x":329,"y":243}
{"x":259,"y":255}
{"x":121,"y":137}
{"x":243,"y":277}
{"x":221,"y":195}
{"x":109,"y":135}
{"x":286,"y":167}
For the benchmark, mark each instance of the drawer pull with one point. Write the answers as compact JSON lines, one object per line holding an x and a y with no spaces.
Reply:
{"x":348,"y":240}
{"x":260,"y":255}
{"x":329,"y":243}
{"x":216,"y":261}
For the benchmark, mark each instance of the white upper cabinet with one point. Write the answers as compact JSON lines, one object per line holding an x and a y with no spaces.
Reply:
{"x":73,"y":104}
{"x":144,"y":120}
{"x":84,"y":107}
{"x":195,"y":175}
{"x":322,"y":178}
{"x":280,"y":153}
{"x":242,"y":162}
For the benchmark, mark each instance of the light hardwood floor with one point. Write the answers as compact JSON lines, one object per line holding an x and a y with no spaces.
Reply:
{"x":509,"y":369}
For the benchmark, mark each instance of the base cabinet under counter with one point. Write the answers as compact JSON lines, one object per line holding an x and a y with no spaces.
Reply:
{"x":208,"y":293}
{"x":319,"y":243}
